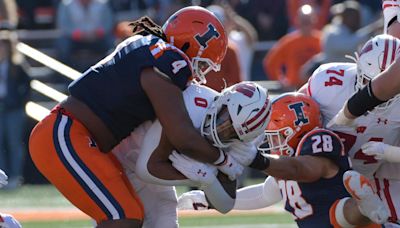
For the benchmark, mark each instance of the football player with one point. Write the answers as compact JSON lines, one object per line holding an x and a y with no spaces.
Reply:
{"x":308,"y":173}
{"x":332,"y":84}
{"x":140,"y":81}
{"x":384,"y":86}
{"x":236,"y":117}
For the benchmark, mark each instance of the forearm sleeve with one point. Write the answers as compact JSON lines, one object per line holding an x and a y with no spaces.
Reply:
{"x":363,"y":101}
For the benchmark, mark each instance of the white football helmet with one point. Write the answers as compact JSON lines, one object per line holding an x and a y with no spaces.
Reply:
{"x":375,"y":56}
{"x":242,"y":112}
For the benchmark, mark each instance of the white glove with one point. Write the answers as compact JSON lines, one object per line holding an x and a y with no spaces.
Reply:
{"x":341,"y":120}
{"x":3,"y":178}
{"x":193,"y":200}
{"x":231,"y":167}
{"x":196,"y":171}
{"x":8,"y":221}
{"x":243,"y":152}
{"x":382,"y":151}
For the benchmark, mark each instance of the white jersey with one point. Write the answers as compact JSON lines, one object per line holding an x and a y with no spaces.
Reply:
{"x":160,"y":201}
{"x":197,"y":99}
{"x":331,"y":85}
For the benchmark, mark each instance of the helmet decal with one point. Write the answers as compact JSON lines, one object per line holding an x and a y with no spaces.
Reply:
{"x":367,"y":48}
{"x":201,"y":36}
{"x":207,"y":36}
{"x":298,"y":110}
{"x":245,"y":89}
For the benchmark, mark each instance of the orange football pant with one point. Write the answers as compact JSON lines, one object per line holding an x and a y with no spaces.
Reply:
{"x":63,"y":151}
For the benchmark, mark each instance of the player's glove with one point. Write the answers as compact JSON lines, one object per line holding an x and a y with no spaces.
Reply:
{"x":196,"y":171}
{"x":341,"y":119}
{"x":3,"y":178}
{"x":229,"y":166}
{"x":8,"y":221}
{"x":243,"y":152}
{"x":382,"y":151}
{"x":193,"y":200}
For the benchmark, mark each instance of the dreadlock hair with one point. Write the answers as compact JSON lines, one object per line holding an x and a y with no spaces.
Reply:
{"x":145,"y":25}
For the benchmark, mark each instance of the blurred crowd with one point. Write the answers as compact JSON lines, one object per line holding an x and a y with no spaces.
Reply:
{"x":308,"y":32}
{"x":304,"y":34}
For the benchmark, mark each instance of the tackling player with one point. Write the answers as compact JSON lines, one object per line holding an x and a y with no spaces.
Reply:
{"x":332,"y":84}
{"x":232,"y":118}
{"x":308,"y":173}
{"x":140,"y":81}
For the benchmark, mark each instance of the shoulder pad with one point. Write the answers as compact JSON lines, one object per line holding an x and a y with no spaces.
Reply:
{"x":321,"y":142}
{"x":330,"y":76}
{"x":172,"y":62}
{"x":325,"y":143}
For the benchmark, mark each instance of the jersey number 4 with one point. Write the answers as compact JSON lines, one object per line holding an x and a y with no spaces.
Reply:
{"x":334,"y":80}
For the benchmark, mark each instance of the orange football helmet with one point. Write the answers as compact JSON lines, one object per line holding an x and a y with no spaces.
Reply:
{"x":198,"y":33}
{"x":293,"y":115}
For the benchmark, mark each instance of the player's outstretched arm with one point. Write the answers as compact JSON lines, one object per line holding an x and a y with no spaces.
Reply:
{"x":248,"y":198}
{"x":258,"y":196}
{"x":382,"y":88}
{"x":303,"y":168}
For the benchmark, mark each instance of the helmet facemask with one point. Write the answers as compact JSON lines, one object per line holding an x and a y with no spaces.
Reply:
{"x":202,"y":66}
{"x":217,"y":125}
{"x":242,"y":113}
{"x":276,"y":142}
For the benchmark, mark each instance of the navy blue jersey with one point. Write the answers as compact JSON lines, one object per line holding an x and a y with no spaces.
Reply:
{"x":310,"y":202}
{"x":112,"y":87}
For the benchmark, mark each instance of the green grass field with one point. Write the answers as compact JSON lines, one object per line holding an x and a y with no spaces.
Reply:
{"x":41,"y":197}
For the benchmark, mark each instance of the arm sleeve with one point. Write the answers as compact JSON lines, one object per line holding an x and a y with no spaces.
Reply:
{"x":258,"y":196}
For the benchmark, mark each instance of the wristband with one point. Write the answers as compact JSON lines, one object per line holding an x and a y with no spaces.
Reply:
{"x":363,"y":101}
{"x":222,"y":158}
{"x":260,"y":162}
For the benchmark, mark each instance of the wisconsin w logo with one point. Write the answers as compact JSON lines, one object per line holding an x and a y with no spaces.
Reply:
{"x":207,"y":36}
{"x":300,"y":117}
{"x":246,"y":89}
